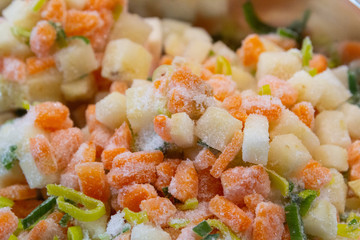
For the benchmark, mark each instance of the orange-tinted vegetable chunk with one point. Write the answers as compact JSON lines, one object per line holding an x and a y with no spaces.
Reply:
{"x":162,"y":127}
{"x":36,"y":65}
{"x":51,"y":115}
{"x":204,"y":159}
{"x":159,"y":210}
{"x":315,"y":176}
{"x":42,"y":38}
{"x":8,"y":223}
{"x":55,"y":11}
{"x":132,"y":195}
{"x":13,"y":69}
{"x":82,"y":23}
{"x":265,"y":105}
{"x":306,"y":113}
{"x":319,"y":62}
{"x":354,"y":153}
{"x":251,"y":49}
{"x":155,"y":157}
{"x":18,"y":192}
{"x":165,"y":171}
{"x":42,"y":153}
{"x":107,"y":156}
{"x":209,"y":186}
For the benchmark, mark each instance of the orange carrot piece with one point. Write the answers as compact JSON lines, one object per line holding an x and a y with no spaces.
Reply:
{"x":148,"y":157}
{"x":165,"y":171}
{"x":82,"y":23}
{"x":56,"y":216}
{"x":166,"y":60}
{"x":99,"y":37}
{"x":184,"y":185}
{"x":232,"y":102}
{"x":90,"y":117}
{"x":85,"y":153}
{"x":209,"y":186}
{"x":55,"y":11}
{"x":8,"y":223}
{"x":204,"y":159}
{"x":107,"y":156}
{"x":354,"y":153}
{"x":349,"y":51}
{"x":210,"y":64}
{"x":265,"y":105}
{"x":36,"y":65}
{"x":315,"y":176}
{"x":159,"y":210}
{"x":306,"y":113}
{"x":197,"y":215}
{"x":239,"y":114}
{"x":51,"y":115}
{"x":13,"y":69}
{"x":229,"y":213}
{"x":252,"y":200}
{"x":132,"y":195}
{"x":119,"y":87}
{"x":162,"y":127}
{"x":355,"y":172}
{"x":223,"y":86}
{"x":42,"y":38}
{"x":122,"y":137}
{"x":22,"y":208}
{"x":41,"y":151}
{"x":46,"y":229}
{"x":250,"y":50}
{"x":319,"y":62}
{"x":18,"y":192}
{"x":99,"y":4}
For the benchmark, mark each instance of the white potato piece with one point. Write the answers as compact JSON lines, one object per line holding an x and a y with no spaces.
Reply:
{"x":111,"y":110}
{"x":287,"y":155}
{"x":336,"y":191}
{"x":79,"y":90}
{"x":76,"y":60}
{"x":170,"y":26}
{"x":132,"y":27}
{"x":20,"y":13}
{"x":216,"y":127}
{"x":125,"y":60}
{"x":321,"y":220}
{"x":332,"y":156}
{"x":148,"y":232}
{"x":154,"y":41}
{"x":355,"y":186}
{"x":95,"y":228}
{"x":243,"y":79}
{"x":341,"y":73}
{"x":9,"y":44}
{"x":331,"y":128}
{"x":12,"y":95}
{"x":290,"y":123}
{"x":255,"y":146}
{"x":334,"y":92}
{"x":280,"y":64}
{"x":174,"y":44}
{"x":182,"y":130}
{"x":352,"y":119}
{"x":197,"y":50}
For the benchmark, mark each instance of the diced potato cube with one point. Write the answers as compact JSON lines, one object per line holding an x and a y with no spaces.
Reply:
{"x":141,"y":83}
{"x":12,"y":95}
{"x":95,"y":228}
{"x":336,"y":191}
{"x":352,"y":118}
{"x":174,"y":44}
{"x":148,"y":232}
{"x":309,"y":90}
{"x":321,"y":220}
{"x":76,"y":4}
{"x":9,"y":44}
{"x":132,"y":27}
{"x":334,"y":92}
{"x":125,"y":60}
{"x":280,"y":64}
{"x":255,"y":146}
{"x":154,"y":41}
{"x":244,"y":80}
{"x":355,"y":186}
{"x":221,"y":49}
{"x":170,"y":26}
{"x":331,"y":128}
{"x":216,"y":127}
{"x":111,"y":110}
{"x":76,"y":60}
{"x":79,"y":90}
{"x":182,"y":130}
{"x":290,"y":123}
{"x":332,"y":156}
{"x":45,"y":86}
{"x":20,"y":13}
{"x":341,"y":73}
{"x":287,"y":155}
{"x":197,"y":50}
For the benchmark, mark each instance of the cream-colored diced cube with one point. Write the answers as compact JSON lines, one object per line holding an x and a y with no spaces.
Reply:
{"x":95,"y":228}
{"x":221,"y":49}
{"x":309,"y":90}
{"x":352,"y":118}
{"x":287,"y":155}
{"x":79,"y":90}
{"x":12,"y":95}
{"x":174,"y":44}
{"x":125,"y":60}
{"x":332,"y":156}
{"x":336,"y":191}
{"x":334,"y":92}
{"x":76,"y":4}
{"x":197,"y":50}
{"x":321,"y":220}
{"x":182,"y":130}
{"x":132,"y":27}
{"x":216,"y":127}
{"x":171,"y":26}
{"x":21,"y":14}
{"x":76,"y":60}
{"x":148,"y":232}
{"x":290,"y":123}
{"x":255,"y":146}
{"x":111,"y":110}
{"x":45,"y":86}
{"x":280,"y":64}
{"x":154,"y":42}
{"x":244,"y":80}
{"x":9,"y":44}
{"x":331,"y":128}
{"x":341,"y":73}
{"x":355,"y":186}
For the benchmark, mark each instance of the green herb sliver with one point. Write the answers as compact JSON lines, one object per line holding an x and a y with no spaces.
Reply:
{"x":254,"y":21}
{"x":202,"y":229}
{"x":294,"y":222}
{"x":8,"y":158}
{"x":45,"y":207}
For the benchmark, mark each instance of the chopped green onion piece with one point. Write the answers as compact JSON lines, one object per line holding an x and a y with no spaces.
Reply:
{"x":85,"y":39}
{"x":12,"y":237}
{"x":212,"y":237}
{"x":202,"y":229}
{"x":344,"y":230}
{"x":265,"y":90}
{"x":38,"y":5}
{"x":56,"y":238}
{"x":25,"y":105}
{"x":299,"y":26}
{"x":5,"y":202}
{"x":279,"y":182}
{"x":104,"y":236}
{"x":135,"y":217}
{"x":189,"y":204}
{"x":225,"y":230}
{"x":61,"y":38}
{"x":95,"y":208}
{"x":306,"y":51}
{"x":312,"y":71}
{"x":126,"y":227}
{"x":117,"y":11}
{"x":74,"y":233}
{"x":64,"y":220}
{"x":253,"y":20}
{"x":353,"y":85}
{"x":286,"y":32}
{"x":8,"y":158}
{"x":222,"y":66}
{"x":211,"y":53}
{"x":45,"y":207}
{"x":307,"y":197}
{"x":178,"y":223}
{"x":20,"y":32}
{"x":294,"y":222}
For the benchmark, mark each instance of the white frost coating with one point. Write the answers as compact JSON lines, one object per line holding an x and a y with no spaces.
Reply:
{"x":255,"y":146}
{"x":148,"y":232}
{"x":147,"y":140}
{"x":116,"y":224}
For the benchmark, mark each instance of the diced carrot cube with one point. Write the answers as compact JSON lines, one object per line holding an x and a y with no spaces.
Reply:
{"x":90,"y":117}
{"x":162,"y":127}
{"x":265,"y":105}
{"x":70,"y":179}
{"x":223,"y":86}
{"x":132,"y":195}
{"x":252,"y":200}
{"x":36,"y":65}
{"x":51,"y":116}
{"x":55,"y":11}
{"x":232,"y":102}
{"x":42,"y":38}
{"x":85,"y":153}
{"x":349,"y":51}
{"x":82,"y":23}
{"x":355,"y":172}
{"x":210,"y":64}
{"x":306,"y":113}
{"x":195,"y":216}
{"x":239,"y":114}
{"x":56,"y":216}
{"x":251,"y":49}
{"x":354,"y":153}
{"x":166,"y":60}
{"x":159,"y":210}
{"x":204,"y":159}
{"x":319,"y":62}
{"x":209,"y":186}
{"x":122,"y":137}
{"x":187,"y":233}
{"x":99,"y":37}
{"x":148,"y":157}
{"x":99,"y":4}
{"x":22,"y":208}
{"x":229,"y":213}
{"x":184,"y":185}
{"x":123,"y":236}
{"x":229,"y":153}
{"x":18,"y":192}
{"x":241,"y":181}
{"x":8,"y":223}
{"x":13,"y":69}
{"x":100,"y":136}
{"x":92,"y":180}
{"x":107,"y":156}
{"x":119,"y":87}
{"x":315,"y":176}
{"x":41,"y":151}
{"x":46,"y":229}
{"x":165,"y":171}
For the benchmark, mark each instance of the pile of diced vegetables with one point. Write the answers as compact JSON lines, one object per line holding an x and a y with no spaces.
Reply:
{"x":134,"y":128}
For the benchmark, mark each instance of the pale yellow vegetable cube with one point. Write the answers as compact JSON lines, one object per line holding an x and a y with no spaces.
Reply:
{"x":182,"y":130}
{"x":197,"y":50}
{"x":125,"y":60}
{"x":148,"y":232}
{"x":9,"y":44}
{"x":280,"y":64}
{"x":20,"y":13}
{"x":132,"y":27}
{"x":352,"y":118}
{"x":12,"y":95}
{"x":111,"y":110}
{"x":174,"y":44}
{"x":76,"y":4}
{"x":79,"y":90}
{"x":154,"y":42}
{"x":216,"y":127}
{"x":170,"y":26}
{"x":321,"y":220}
{"x":355,"y":186}
{"x":243,"y":79}
{"x":331,"y":128}
{"x":332,"y":156}
{"x":341,"y":73}
{"x":287,"y":155}
{"x":255,"y":146}
{"x":76,"y":60}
